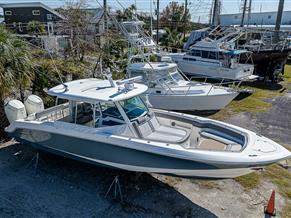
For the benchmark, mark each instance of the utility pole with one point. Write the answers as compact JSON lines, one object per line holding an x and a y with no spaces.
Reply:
{"x":243,"y":13}
{"x":105,"y":15}
{"x":151,"y":12}
{"x":279,"y":19}
{"x":215,"y":13}
{"x":158,"y":18}
{"x":185,"y":18}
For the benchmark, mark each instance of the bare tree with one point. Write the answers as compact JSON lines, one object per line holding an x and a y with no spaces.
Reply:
{"x":77,"y":26}
{"x":173,"y":17}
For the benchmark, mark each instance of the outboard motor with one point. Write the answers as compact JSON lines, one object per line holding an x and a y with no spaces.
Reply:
{"x":33,"y":104}
{"x":15,"y":110}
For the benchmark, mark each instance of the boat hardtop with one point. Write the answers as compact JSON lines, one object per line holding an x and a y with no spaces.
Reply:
{"x":157,"y":66}
{"x":219,"y":47}
{"x":93,"y":90}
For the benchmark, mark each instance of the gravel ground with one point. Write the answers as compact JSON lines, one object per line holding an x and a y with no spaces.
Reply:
{"x":65,"y":188}
{"x":274,"y":123}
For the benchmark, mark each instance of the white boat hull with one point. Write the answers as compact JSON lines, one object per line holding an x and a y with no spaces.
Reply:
{"x":95,"y":147}
{"x":212,"y":69}
{"x":96,"y":153}
{"x":191,"y":102}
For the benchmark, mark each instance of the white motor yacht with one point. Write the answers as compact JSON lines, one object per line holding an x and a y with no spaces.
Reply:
{"x":169,"y":90}
{"x":107,"y":123}
{"x":208,"y":59}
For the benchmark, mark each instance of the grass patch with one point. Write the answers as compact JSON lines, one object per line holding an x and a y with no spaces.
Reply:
{"x":282,"y":178}
{"x":172,"y":181}
{"x":249,"y":181}
{"x":287,"y":210}
{"x":208,"y":184}
{"x":287,"y":73}
{"x":288,"y":147}
{"x":253,"y":103}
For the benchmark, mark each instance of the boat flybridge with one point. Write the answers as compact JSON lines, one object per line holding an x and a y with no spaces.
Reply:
{"x":169,"y":90}
{"x":133,"y":30}
{"x":208,"y":59}
{"x":106,"y":122}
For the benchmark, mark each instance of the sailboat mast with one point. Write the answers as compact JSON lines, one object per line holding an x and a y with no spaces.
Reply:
{"x":279,"y":15}
{"x":243,"y":13}
{"x":279,"y":20}
{"x":211,"y":14}
{"x":215,"y":13}
{"x":249,"y":11}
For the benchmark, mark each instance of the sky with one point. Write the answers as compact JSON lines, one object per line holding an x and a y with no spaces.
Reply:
{"x":199,"y":9}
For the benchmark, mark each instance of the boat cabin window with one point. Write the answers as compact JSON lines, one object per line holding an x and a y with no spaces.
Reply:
{"x":196,"y":53}
{"x":209,"y":55}
{"x":134,"y":108}
{"x":221,"y":55}
{"x":205,"y":54}
{"x":212,"y":55}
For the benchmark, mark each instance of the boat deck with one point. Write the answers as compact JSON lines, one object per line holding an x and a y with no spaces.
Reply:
{"x":157,"y":128}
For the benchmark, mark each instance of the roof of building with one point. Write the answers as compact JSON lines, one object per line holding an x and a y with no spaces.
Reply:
{"x":31,"y":4}
{"x":94,"y":90}
{"x":146,"y":66}
{"x":264,"y":12}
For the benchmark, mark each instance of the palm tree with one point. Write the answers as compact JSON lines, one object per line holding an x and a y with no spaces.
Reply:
{"x":36,"y":28}
{"x":15,"y":70}
{"x":172,"y":39}
{"x":126,"y":14}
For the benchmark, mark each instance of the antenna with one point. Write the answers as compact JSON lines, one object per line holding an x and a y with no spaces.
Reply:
{"x":108,"y":75}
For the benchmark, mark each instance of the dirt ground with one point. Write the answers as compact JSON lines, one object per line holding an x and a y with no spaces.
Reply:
{"x":62,"y":187}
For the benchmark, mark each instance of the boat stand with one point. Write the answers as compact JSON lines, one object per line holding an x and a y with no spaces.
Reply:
{"x":116,"y":184}
{"x":34,"y":161}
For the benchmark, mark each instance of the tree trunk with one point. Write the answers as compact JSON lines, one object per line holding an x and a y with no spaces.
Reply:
{"x":3,"y":121}
{"x":21,"y":92}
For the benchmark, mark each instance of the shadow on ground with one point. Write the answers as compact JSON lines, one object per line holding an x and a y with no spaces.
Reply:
{"x":66,"y":188}
{"x":261,"y":84}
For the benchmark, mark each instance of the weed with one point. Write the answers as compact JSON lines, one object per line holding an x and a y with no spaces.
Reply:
{"x":249,"y":181}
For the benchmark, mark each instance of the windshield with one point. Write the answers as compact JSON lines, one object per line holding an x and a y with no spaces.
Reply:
{"x":172,"y":78}
{"x":134,"y":108}
{"x":177,"y":76}
{"x":168,"y":80}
